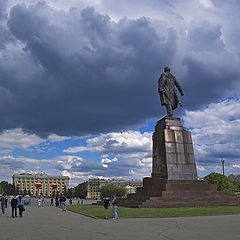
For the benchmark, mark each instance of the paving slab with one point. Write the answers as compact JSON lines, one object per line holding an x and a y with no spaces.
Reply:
{"x":43,"y":223}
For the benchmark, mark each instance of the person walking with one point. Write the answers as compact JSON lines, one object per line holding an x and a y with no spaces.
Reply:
{"x":51,"y":204}
{"x":106,"y":205}
{"x":14,"y":205}
{"x":63,"y":203}
{"x":3,"y":203}
{"x":114,"y":204}
{"x":42,"y":201}
{"x":39,"y":201}
{"x":70,"y":201}
{"x":56,"y":202}
{"x":20,"y":206}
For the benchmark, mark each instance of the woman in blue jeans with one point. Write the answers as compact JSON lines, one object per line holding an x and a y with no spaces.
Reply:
{"x":3,"y":203}
{"x":114,"y":204}
{"x":20,"y":204}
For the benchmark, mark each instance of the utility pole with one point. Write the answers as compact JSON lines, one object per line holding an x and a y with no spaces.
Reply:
{"x":222,"y":165}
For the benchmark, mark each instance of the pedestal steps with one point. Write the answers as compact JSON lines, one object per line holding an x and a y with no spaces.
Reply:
{"x":190,"y":202}
{"x":157,"y":192}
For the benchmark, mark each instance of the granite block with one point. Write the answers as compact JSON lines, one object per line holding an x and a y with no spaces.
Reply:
{"x":188,"y":148}
{"x":178,"y":136}
{"x":169,"y":135}
{"x":170,"y":147}
{"x":187,"y":138}
{"x":180,"y":148}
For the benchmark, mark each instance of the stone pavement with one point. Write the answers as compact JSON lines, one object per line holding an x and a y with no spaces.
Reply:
{"x":40,"y":223}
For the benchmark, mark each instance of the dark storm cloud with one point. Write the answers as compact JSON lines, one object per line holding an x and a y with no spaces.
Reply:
{"x":79,"y":72}
{"x":94,"y":76}
{"x":3,"y":7}
{"x":212,"y":70}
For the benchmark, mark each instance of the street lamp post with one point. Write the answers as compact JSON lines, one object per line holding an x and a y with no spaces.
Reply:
{"x":222,"y":160}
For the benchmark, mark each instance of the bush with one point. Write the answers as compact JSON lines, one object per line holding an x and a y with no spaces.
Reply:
{"x":223,"y":182}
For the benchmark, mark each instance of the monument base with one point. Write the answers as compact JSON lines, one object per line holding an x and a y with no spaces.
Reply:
{"x":174,"y":176}
{"x":158,"y":192}
{"x":173,"y":155}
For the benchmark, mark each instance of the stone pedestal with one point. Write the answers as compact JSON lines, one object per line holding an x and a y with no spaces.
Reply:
{"x":173,"y":155}
{"x":174,"y":176}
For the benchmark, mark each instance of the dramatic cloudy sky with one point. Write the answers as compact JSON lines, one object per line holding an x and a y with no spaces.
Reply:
{"x":78,"y":84}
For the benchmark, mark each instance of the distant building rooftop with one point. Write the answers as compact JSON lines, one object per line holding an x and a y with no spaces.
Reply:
{"x":38,"y":175}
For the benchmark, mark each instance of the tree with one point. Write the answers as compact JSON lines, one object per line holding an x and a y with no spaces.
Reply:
{"x":223,"y":182}
{"x":69,"y":193}
{"x":110,"y":190}
{"x":4,"y":187}
{"x":80,"y":193}
{"x":7,"y":188}
{"x":236,"y":180}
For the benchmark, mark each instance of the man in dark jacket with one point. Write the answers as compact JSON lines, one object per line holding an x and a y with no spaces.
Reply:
{"x":14,"y":204}
{"x":63,"y":202}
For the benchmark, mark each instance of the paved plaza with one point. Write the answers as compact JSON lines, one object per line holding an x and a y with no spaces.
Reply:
{"x":51,"y":223}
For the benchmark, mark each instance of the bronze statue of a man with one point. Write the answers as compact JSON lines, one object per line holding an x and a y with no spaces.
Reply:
{"x":168,"y":93}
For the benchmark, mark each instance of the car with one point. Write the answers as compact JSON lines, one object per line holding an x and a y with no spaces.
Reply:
{"x":27,"y":196}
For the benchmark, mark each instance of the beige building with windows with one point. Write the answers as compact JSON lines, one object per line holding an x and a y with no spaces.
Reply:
{"x":26,"y":184}
{"x":93,"y":185}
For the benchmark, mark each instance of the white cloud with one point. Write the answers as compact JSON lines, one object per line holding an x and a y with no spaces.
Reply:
{"x":117,"y":143}
{"x":128,"y":149}
{"x":206,"y":4}
{"x":16,"y":138}
{"x":67,"y":162}
{"x":236,"y":165}
{"x":201,"y":168}
{"x":106,"y":160}
{"x":215,"y":132}
{"x":75,"y":149}
{"x":57,"y":138}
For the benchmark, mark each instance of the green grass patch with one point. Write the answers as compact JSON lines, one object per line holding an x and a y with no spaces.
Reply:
{"x":98,"y":211}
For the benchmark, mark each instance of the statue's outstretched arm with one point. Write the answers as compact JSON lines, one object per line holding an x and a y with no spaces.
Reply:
{"x":179,"y":87}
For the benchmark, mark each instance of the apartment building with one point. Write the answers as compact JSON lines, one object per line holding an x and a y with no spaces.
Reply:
{"x":40,"y":184}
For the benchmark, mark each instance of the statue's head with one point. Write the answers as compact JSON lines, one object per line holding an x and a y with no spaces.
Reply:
{"x":167,"y":69}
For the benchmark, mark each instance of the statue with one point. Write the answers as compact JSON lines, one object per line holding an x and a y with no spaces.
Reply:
{"x":168,"y":94}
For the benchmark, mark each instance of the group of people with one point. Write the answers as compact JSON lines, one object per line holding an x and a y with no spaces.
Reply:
{"x":18,"y":203}
{"x":41,"y":201}
{"x":60,"y":201}
{"x":107,"y":203}
{"x":15,"y":204}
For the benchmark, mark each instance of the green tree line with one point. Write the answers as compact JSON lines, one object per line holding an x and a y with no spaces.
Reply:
{"x":110,"y":190}
{"x":7,"y":188}
{"x":224,"y":183}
